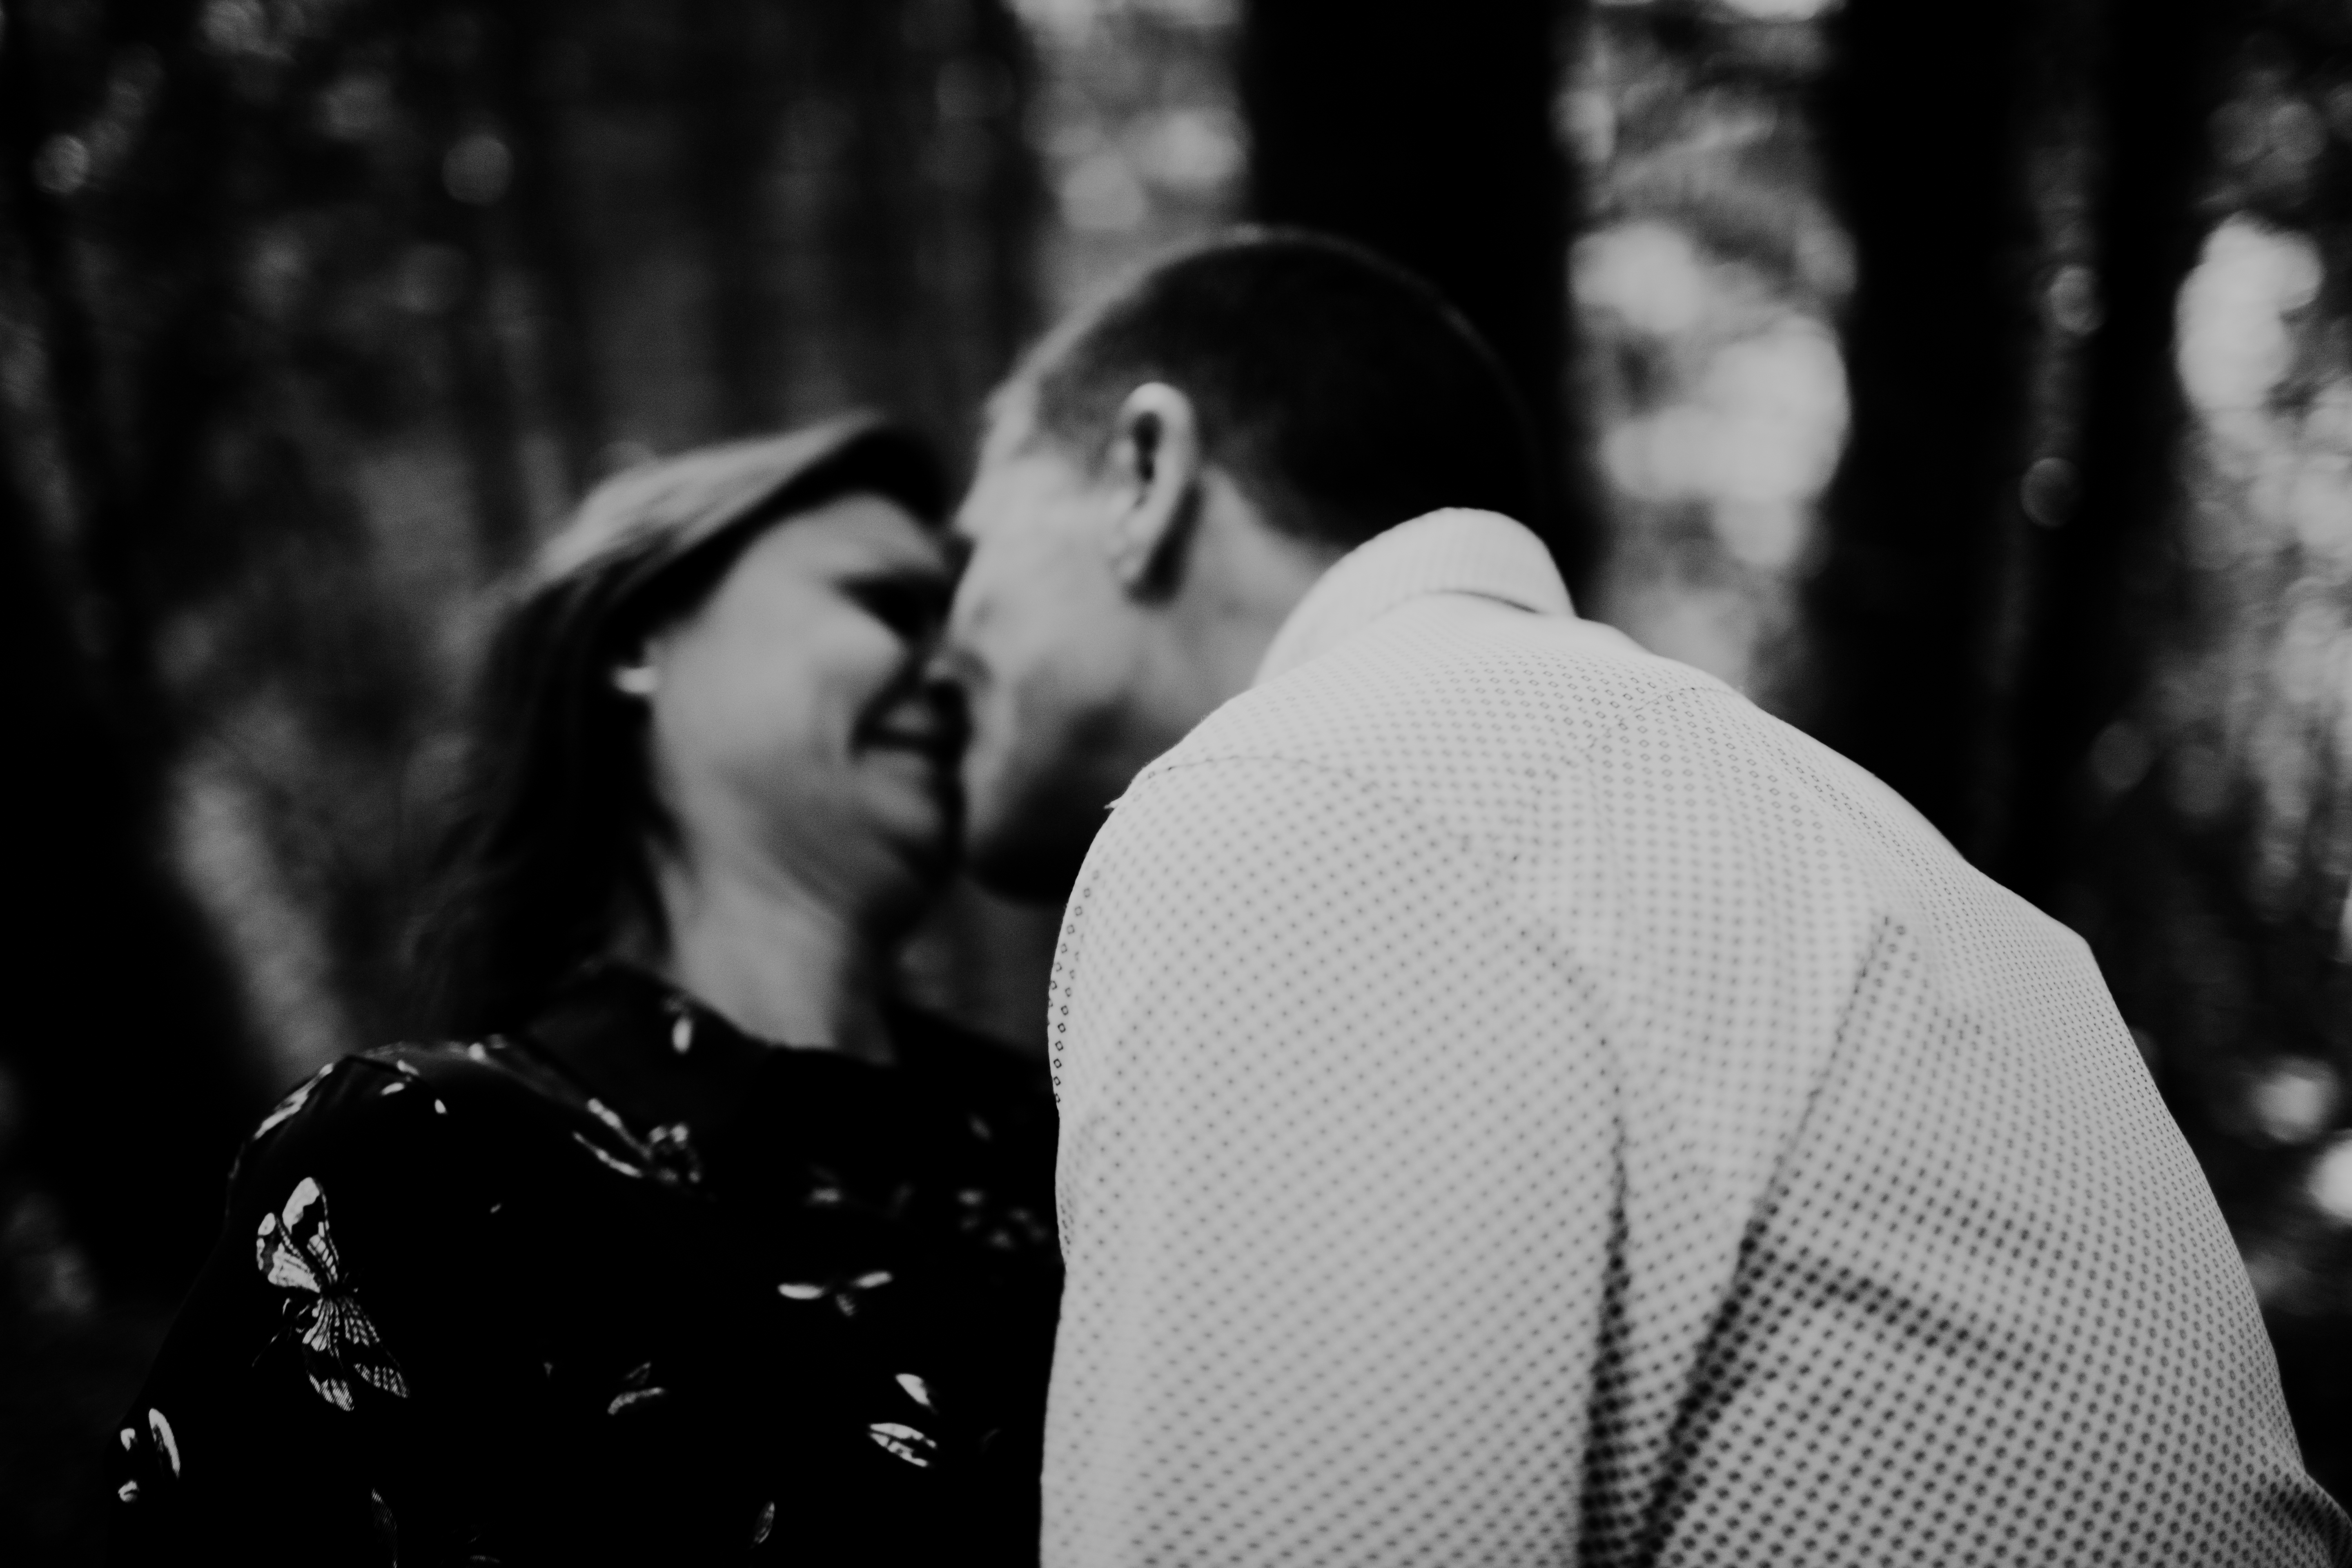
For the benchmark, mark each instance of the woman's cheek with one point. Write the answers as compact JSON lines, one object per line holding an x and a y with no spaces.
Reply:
{"x":869,"y":661}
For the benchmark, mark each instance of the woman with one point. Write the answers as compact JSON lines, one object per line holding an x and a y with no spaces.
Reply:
{"x":702,"y":1249}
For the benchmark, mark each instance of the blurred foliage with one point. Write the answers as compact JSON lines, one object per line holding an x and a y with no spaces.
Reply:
{"x":321,"y":312}
{"x":314,"y":315}
{"x":1135,"y":122}
{"x":2220,"y":798}
{"x":1709,"y":281}
{"x":2195,"y":819}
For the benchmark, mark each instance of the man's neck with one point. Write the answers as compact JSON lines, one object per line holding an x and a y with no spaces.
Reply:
{"x":772,"y":960}
{"x":1242,"y":579}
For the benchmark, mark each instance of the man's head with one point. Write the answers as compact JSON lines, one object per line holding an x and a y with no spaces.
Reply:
{"x":1162,"y":481}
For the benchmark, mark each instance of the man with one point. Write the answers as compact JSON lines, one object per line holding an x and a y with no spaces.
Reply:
{"x":1521,"y":1104}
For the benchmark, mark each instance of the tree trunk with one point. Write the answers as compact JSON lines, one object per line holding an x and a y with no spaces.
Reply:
{"x":2086,"y":648}
{"x":452,"y":82}
{"x":114,"y":600}
{"x":874,"y":224}
{"x":544,"y":206}
{"x":120,"y":1055}
{"x":732,"y":106}
{"x":125,"y":1038}
{"x":1429,"y":140}
{"x":1009,"y":209}
{"x":1923,"y":134}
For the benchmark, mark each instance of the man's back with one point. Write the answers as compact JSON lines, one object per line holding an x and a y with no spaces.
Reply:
{"x":1522,"y":1102}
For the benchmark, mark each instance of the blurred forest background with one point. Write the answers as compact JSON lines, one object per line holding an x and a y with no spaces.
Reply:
{"x":1972,"y":385}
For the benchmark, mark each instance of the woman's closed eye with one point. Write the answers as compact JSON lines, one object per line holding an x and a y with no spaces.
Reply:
{"x":912,"y":605}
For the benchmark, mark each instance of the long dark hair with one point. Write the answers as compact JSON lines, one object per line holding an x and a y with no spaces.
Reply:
{"x":547,"y":860}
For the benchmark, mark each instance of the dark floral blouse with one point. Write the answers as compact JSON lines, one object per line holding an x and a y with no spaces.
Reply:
{"x":633,"y":1287}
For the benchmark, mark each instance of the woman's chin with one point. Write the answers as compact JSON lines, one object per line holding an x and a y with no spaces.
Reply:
{"x":921,"y":828}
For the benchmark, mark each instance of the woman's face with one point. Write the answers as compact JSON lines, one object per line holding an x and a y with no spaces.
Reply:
{"x":793,"y":730}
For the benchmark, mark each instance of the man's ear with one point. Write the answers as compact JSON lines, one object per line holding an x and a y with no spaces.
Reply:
{"x":1155,"y":462}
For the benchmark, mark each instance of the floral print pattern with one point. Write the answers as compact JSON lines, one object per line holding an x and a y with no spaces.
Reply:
{"x":296,"y":1251}
{"x":631,"y":1286}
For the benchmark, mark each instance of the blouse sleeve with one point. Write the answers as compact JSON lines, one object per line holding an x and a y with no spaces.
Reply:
{"x":279,"y":1396}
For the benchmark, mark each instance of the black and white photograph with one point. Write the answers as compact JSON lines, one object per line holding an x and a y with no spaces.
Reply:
{"x":1176,"y":784}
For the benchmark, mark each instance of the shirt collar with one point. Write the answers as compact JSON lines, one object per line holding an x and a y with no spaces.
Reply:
{"x":1451,"y":552}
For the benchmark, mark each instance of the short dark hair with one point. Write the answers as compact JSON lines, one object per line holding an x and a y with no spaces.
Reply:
{"x":1343,"y":392}
{"x":547,"y":860}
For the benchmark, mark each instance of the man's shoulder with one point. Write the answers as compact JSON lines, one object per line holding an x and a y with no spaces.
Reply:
{"x":1442,"y":688}
{"x":1507,"y":729}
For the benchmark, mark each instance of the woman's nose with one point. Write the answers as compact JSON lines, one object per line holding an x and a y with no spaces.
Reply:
{"x":945,"y":696}
{"x":945,"y":662}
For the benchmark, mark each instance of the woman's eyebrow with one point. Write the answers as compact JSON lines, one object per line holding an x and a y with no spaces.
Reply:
{"x":927,"y":573}
{"x":902,"y":591}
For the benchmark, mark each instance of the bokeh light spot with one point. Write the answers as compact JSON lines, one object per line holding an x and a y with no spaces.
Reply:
{"x":478,"y":169}
{"x":2293,"y":1100}
{"x":2330,"y":1183}
{"x":62,"y":165}
{"x":1102,"y":196}
{"x":1649,"y":273}
{"x":2234,"y":342}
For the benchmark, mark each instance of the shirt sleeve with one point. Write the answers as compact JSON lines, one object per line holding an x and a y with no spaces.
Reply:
{"x":257,"y":1435}
{"x":1336,"y":1188}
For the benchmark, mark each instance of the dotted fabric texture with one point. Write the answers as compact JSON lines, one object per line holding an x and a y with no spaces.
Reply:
{"x":1522,"y":1104}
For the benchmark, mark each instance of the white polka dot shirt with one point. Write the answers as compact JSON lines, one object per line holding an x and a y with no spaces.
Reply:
{"x":1522,"y":1104}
